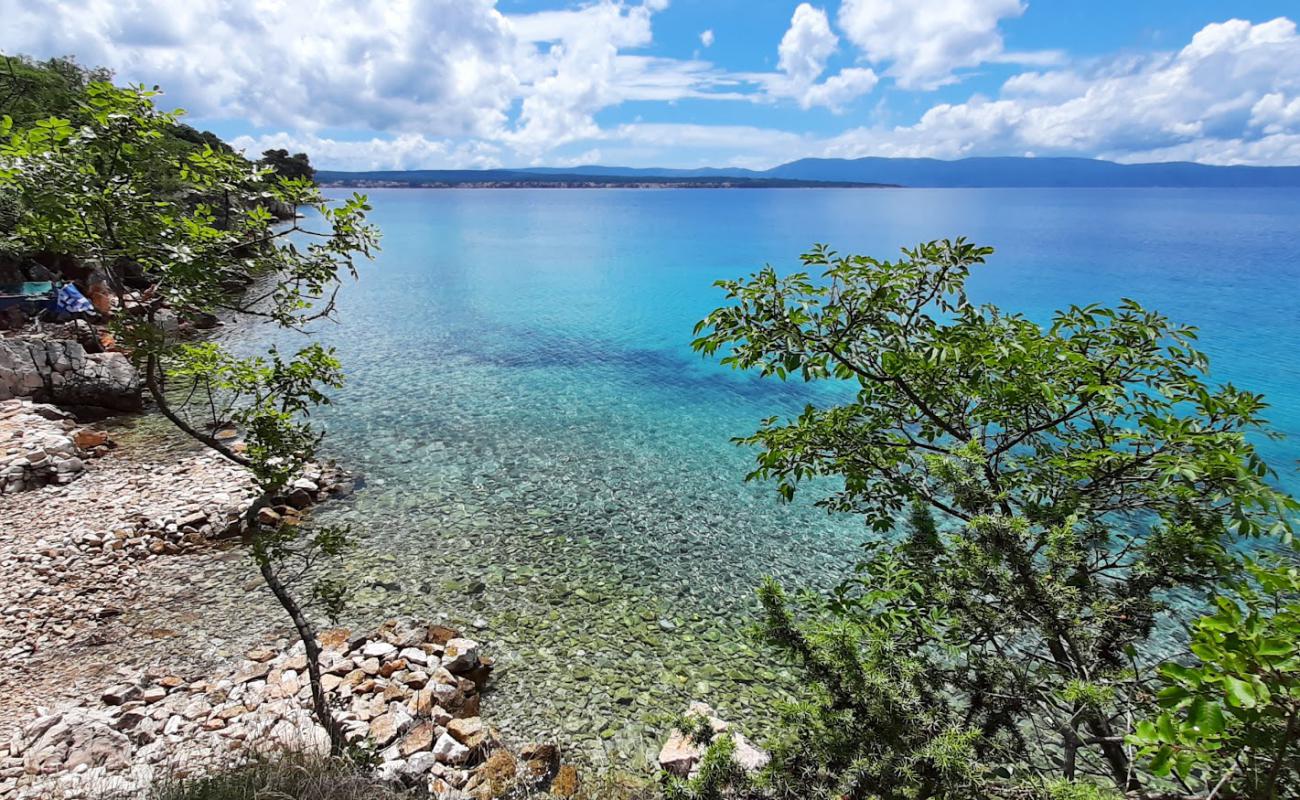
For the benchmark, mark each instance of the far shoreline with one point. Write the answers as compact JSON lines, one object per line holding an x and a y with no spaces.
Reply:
{"x":639,"y":185}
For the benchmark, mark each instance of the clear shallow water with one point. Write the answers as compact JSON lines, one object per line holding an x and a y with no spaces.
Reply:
{"x":546,"y":457}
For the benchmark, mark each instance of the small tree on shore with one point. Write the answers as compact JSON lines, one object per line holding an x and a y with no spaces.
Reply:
{"x":1063,"y":484}
{"x":194,"y":234}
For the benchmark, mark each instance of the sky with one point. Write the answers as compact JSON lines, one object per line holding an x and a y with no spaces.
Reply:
{"x":404,"y":84}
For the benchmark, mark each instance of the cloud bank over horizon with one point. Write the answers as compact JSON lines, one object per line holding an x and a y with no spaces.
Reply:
{"x":369,"y":84}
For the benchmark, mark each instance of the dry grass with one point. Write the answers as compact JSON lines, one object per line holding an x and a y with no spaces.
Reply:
{"x":305,"y":776}
{"x":285,"y":776}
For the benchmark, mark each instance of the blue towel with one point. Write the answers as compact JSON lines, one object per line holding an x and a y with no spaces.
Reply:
{"x":71,"y":301}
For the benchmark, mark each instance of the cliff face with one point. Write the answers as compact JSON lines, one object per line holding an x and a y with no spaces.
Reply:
{"x":60,"y":371}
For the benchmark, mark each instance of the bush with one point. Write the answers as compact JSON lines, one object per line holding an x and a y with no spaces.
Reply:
{"x":1064,"y":481}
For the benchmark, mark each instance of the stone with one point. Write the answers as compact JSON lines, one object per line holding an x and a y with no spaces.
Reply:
{"x":252,"y":672}
{"x":479,"y":675}
{"x":61,"y":371}
{"x":394,"y":692}
{"x":333,"y":638}
{"x":88,"y":439}
{"x":750,"y":758}
{"x":420,"y":763}
{"x":679,"y":755}
{"x":121,"y":693}
{"x":540,"y":762}
{"x":416,"y":739}
{"x":497,"y":774}
{"x":378,"y":649}
{"x":391,"y":667}
{"x":449,"y":751}
{"x":460,"y":655}
{"x":440,"y":634}
{"x":421,"y":703}
{"x":414,"y":655}
{"x":71,"y":743}
{"x":449,"y":697}
{"x":470,"y":732}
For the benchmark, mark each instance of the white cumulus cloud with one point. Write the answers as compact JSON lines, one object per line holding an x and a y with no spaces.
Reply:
{"x":1231,"y":95}
{"x":802,"y":56}
{"x":925,"y":41}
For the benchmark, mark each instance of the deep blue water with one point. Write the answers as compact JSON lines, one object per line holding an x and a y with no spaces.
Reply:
{"x":525,"y":405}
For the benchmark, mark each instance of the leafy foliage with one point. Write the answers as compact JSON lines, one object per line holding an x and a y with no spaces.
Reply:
{"x":1231,"y":720}
{"x":1080,"y":473}
{"x":190,"y":230}
{"x":32,"y":90}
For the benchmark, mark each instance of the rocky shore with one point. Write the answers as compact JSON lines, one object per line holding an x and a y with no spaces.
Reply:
{"x":112,"y":675}
{"x":410,"y":693}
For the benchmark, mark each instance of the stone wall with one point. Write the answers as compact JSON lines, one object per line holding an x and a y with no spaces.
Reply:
{"x":61,"y":371}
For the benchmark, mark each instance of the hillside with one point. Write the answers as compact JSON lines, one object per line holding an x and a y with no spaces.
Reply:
{"x":1010,"y":172}
{"x":587,"y":178}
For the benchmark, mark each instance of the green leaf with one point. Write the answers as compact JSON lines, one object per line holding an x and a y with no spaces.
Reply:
{"x":1240,"y":693}
{"x":1205,"y":717}
{"x":1166,"y":729}
{"x":1275,"y":647}
{"x":1160,"y":764}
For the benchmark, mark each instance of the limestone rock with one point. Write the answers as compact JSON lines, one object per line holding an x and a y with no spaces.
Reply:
{"x":460,"y":655}
{"x":61,"y":371}
{"x":416,"y":739}
{"x":679,"y":755}
{"x":449,"y":751}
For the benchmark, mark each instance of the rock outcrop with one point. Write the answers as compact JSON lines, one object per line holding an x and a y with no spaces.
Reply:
{"x":681,"y":754}
{"x":40,"y":445}
{"x":60,"y":371}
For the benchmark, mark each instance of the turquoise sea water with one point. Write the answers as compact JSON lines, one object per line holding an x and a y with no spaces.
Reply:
{"x":546,"y":457}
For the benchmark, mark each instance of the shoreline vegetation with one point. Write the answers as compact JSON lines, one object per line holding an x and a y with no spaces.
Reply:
{"x":1059,"y":484}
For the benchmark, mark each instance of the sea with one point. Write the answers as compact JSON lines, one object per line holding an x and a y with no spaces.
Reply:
{"x":546,"y":462}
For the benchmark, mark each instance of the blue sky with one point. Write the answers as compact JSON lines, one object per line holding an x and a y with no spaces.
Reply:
{"x":481,"y":83}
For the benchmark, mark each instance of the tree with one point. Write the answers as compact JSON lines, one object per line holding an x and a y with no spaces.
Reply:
{"x":31,"y":90}
{"x":1230,"y":721}
{"x":284,"y":165}
{"x":1080,"y":473}
{"x":113,"y":191}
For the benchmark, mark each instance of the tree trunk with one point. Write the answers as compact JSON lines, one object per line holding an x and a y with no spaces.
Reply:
{"x":307,"y":634}
{"x":1112,"y":749}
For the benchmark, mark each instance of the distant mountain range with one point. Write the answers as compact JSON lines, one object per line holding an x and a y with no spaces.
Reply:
{"x":1008,"y":172}
{"x":597,"y":178}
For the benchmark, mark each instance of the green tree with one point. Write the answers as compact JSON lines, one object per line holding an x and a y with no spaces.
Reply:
{"x":284,"y":165}
{"x":113,"y":191}
{"x":32,"y":90}
{"x":1080,"y":473}
{"x":1230,"y":724}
